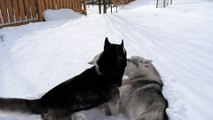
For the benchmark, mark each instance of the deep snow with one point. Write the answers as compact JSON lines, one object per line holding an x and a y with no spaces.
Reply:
{"x":38,"y":56}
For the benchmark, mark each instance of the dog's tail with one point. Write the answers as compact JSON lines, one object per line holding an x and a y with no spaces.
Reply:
{"x":20,"y":105}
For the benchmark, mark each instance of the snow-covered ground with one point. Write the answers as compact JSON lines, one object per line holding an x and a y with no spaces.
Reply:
{"x":36,"y":57}
{"x":61,"y":14}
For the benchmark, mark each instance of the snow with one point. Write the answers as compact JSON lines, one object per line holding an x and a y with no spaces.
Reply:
{"x":38,"y":56}
{"x":61,"y":14}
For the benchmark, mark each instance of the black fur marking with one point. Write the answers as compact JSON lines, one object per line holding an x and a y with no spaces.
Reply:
{"x":113,"y":67}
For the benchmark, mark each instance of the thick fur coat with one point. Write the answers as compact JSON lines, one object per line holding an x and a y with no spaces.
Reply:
{"x":93,"y":87}
{"x":141,"y":93}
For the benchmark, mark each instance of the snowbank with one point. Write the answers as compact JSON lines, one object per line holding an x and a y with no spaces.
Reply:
{"x":61,"y":14}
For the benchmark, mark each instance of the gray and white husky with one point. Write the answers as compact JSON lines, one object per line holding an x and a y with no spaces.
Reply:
{"x":141,"y":96}
{"x":93,"y":87}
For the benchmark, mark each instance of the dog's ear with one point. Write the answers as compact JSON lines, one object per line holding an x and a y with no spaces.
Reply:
{"x":107,"y":43}
{"x":121,"y":47}
{"x":91,"y":62}
{"x":147,"y":61}
{"x":122,"y":44}
{"x":136,"y":62}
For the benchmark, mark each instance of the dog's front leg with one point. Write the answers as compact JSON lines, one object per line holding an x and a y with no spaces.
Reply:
{"x":112,"y":107}
{"x":78,"y":116}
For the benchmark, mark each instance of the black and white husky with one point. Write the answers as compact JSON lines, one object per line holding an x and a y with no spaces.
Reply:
{"x":93,"y":87}
{"x":141,"y":93}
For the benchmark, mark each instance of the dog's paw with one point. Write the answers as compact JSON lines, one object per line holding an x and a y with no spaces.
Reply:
{"x":78,"y":116}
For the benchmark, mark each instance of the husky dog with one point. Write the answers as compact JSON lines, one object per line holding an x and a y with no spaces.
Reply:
{"x":142,"y":98}
{"x":95,"y":86}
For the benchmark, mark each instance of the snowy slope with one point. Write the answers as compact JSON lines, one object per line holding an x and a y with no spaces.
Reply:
{"x":36,"y":57}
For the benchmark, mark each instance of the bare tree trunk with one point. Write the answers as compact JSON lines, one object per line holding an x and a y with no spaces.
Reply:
{"x":110,"y":5}
{"x":99,"y":5}
{"x":164,"y":3}
{"x":157,"y":4}
{"x":104,"y":3}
